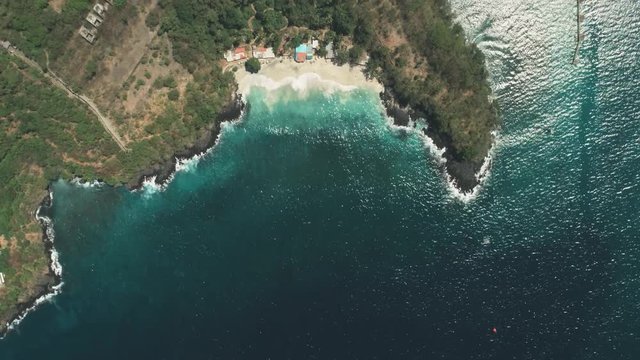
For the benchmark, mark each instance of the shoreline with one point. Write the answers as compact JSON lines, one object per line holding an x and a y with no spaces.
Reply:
{"x":274,"y":74}
{"x":317,"y":74}
{"x":164,"y":171}
{"x":464,"y":178}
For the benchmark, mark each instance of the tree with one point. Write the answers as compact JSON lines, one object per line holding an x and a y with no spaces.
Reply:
{"x":342,"y":57}
{"x":90,"y":69}
{"x":252,"y":65}
{"x":343,"y":21}
{"x":173,"y":95}
{"x":321,"y":51}
{"x":355,"y":54}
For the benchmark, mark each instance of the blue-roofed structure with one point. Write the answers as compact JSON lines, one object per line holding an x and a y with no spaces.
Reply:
{"x":300,"y":54}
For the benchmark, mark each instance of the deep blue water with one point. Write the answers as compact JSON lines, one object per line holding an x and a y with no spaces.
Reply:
{"x":315,"y":230}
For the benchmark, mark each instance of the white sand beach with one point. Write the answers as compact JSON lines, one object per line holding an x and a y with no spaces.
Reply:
{"x":319,"y":73}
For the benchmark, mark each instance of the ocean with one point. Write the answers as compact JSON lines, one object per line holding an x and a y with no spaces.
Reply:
{"x":316,"y":230}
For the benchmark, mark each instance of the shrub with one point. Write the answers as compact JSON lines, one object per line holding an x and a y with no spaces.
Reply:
{"x":173,"y":95}
{"x":252,"y":65}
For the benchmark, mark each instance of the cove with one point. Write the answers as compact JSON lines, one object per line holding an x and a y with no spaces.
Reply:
{"x":315,"y":230}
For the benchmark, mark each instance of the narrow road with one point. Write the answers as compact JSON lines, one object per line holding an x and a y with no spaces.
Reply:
{"x":58,"y":82}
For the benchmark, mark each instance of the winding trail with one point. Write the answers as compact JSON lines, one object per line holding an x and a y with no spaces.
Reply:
{"x":250,"y":21}
{"x":58,"y":82}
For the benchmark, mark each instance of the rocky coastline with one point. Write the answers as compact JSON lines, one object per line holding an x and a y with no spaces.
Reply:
{"x":463,"y":173}
{"x":47,"y":285}
{"x":161,"y":171}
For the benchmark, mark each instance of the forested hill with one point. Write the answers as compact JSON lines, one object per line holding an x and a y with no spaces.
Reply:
{"x":414,"y":48}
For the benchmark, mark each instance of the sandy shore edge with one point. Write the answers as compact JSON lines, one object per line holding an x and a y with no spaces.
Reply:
{"x":318,"y":73}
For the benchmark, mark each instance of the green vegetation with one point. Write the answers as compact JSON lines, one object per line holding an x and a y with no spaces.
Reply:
{"x":34,"y":26}
{"x":45,"y":135}
{"x":173,"y":95}
{"x":90,"y":69}
{"x":252,"y":65}
{"x":139,"y":83}
{"x":166,"y":81}
{"x":453,"y":93}
{"x":201,"y":31}
{"x":269,"y":19}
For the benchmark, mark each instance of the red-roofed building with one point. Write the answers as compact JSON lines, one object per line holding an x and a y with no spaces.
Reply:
{"x":235,"y":54}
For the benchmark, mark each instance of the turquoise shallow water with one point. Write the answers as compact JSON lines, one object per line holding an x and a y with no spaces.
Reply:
{"x":314,"y":230}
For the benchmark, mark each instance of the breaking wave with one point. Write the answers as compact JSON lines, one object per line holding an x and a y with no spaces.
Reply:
{"x":437,"y":153}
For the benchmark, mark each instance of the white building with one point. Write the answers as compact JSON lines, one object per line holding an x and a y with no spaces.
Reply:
{"x":88,"y":34}
{"x":263,"y":53}
{"x":1,"y":279}
{"x":330,"y":53}
{"x":94,"y":20}
{"x":99,"y":9}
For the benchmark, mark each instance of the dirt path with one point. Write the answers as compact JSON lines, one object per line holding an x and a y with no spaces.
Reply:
{"x":250,"y":21}
{"x":58,"y":82}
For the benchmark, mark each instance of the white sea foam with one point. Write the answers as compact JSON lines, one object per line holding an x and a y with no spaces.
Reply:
{"x":301,"y":84}
{"x":319,"y":74}
{"x":482,"y":175}
{"x":80,"y":182}
{"x":150,"y":185}
{"x":434,"y":150}
{"x":55,"y":262}
{"x":438,"y":154}
{"x":55,"y":265}
{"x":190,"y":164}
{"x":48,"y":297}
